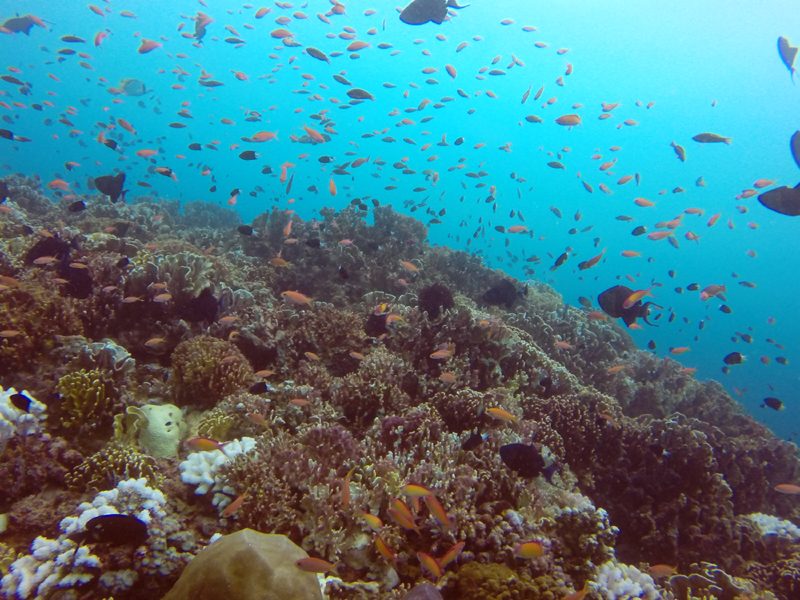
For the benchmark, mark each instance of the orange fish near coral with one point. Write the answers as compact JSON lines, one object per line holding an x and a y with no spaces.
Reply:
{"x":296,"y":298}
{"x":206,"y":445}
{"x":788,"y":488}
{"x":529,"y":550}
{"x":315,"y":565}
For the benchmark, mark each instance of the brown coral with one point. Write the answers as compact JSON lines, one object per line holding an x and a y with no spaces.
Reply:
{"x":207,"y":369}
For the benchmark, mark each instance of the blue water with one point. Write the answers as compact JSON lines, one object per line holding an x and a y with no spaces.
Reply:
{"x":681,"y":55}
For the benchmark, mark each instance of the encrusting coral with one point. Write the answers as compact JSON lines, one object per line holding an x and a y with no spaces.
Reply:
{"x":87,"y":401}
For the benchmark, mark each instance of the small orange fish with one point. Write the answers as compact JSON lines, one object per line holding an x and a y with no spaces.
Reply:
{"x":233,"y":507}
{"x":636,"y":296}
{"x":430,"y":563}
{"x":206,"y":445}
{"x":579,"y":595}
{"x":788,"y":488}
{"x":679,"y":350}
{"x":384,"y":549}
{"x":529,"y":550}
{"x":616,"y":369}
{"x":44,"y":260}
{"x":657,"y":571}
{"x":315,"y":565}
{"x":311,"y":356}
{"x":501,"y":415}
{"x":411,"y":489}
{"x":154,"y":342}
{"x":332,"y":187}
{"x":451,"y":555}
{"x":9,"y":333}
{"x":410,"y":267}
{"x":257,"y":419}
{"x":437,"y":510}
{"x":296,"y":298}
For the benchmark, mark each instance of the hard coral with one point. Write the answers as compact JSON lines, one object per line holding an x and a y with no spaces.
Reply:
{"x":435,"y":299}
{"x":114,"y":463}
{"x":475,"y":581}
{"x":37,"y":310}
{"x":87,"y":399}
{"x":207,"y":369}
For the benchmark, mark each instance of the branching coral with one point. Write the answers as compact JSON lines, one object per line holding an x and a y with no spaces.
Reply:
{"x":206,"y":370}
{"x":87,"y":401}
{"x":114,"y":463}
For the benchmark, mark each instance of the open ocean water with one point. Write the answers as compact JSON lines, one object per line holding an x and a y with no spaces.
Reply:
{"x":705,"y":67}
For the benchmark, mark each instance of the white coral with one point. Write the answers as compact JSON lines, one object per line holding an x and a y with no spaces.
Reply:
{"x":616,"y":580}
{"x":200,"y":468}
{"x":61,"y":564}
{"x":769,"y":525}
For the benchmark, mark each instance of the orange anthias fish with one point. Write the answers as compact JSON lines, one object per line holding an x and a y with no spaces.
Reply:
{"x":315,"y":565}
{"x":444,"y":352}
{"x":296,"y":298}
{"x":636,"y":296}
{"x":206,"y":445}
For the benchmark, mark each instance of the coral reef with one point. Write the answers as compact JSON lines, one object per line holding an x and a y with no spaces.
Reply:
{"x":207,"y":369}
{"x":325,"y":421}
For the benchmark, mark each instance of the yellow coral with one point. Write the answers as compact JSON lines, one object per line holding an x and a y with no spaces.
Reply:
{"x":7,"y":556}
{"x":86,"y":397}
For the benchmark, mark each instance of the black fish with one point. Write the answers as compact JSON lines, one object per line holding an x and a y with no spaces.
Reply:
{"x":202,"y":308}
{"x":195,"y":146}
{"x":343,"y":272}
{"x":773,"y":403}
{"x":199,"y":29}
{"x":110,"y":144}
{"x":245,"y":229}
{"x":785,"y":200}
{"x":122,"y":262}
{"x":420,"y":12}
{"x":613,"y":299}
{"x":77,"y":206}
{"x":313,"y":243}
{"x":527,"y":461}
{"x":6,"y":134}
{"x":734,"y":358}
{"x":116,"y":530}
{"x":651,"y":344}
{"x":248,"y":155}
{"x":17,"y":24}
{"x":4,"y":191}
{"x":259,"y":388}
{"x":788,"y":53}
{"x":693,"y":287}
{"x":21,"y":402}
{"x":473,"y":441}
{"x":111,"y":186}
{"x":640,"y":230}
{"x":503,"y":293}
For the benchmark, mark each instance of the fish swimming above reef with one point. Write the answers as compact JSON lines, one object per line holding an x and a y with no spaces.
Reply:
{"x":132,"y":87}
{"x":116,"y":530}
{"x":111,"y":185}
{"x":612,"y":301}
{"x":788,"y":54}
{"x":527,"y":461}
{"x":17,"y":24}
{"x":420,"y":12}
{"x":785,"y":200}
{"x":711,"y":138}
{"x":4,"y":191}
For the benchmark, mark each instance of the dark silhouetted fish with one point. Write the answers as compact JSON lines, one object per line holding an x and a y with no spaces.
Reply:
{"x":17,"y":24}
{"x":734,"y":358}
{"x":785,"y":200}
{"x":116,"y":530}
{"x":245,"y":230}
{"x":527,"y":461}
{"x":262,"y":387}
{"x":77,"y":206}
{"x":420,"y":12}
{"x":473,"y":441}
{"x":111,"y":186}
{"x":788,"y":54}
{"x":202,"y":308}
{"x":503,"y":293}
{"x":4,"y":191}
{"x":613,"y":299}
{"x":21,"y":402}
{"x":773,"y":403}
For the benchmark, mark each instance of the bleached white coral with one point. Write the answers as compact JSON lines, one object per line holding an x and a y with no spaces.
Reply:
{"x":769,"y":525}
{"x":200,"y":468}
{"x":616,"y":580}
{"x":60,"y":563}
{"x":16,"y":421}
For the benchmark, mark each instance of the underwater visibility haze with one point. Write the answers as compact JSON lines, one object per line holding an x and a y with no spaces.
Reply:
{"x":442,"y":300}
